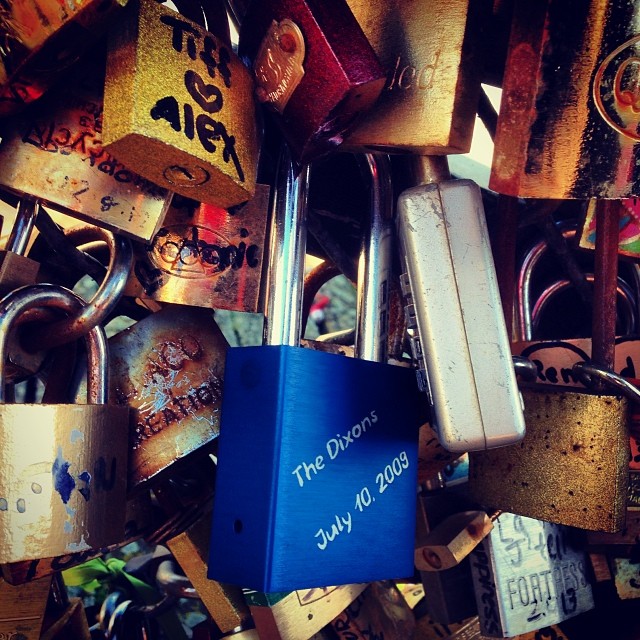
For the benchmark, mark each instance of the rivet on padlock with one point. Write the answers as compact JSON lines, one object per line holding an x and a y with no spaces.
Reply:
{"x":195,"y":133}
{"x":64,"y":480}
{"x":325,"y":431}
{"x":454,"y":305}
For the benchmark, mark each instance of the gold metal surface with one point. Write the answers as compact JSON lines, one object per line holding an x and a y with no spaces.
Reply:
{"x":54,"y":153}
{"x":195,"y":131}
{"x":205,"y":257}
{"x":168,"y":368}
{"x":22,"y":609}
{"x":16,"y":271}
{"x":568,"y":125}
{"x":224,"y":602}
{"x":71,"y":624}
{"x":429,"y":52}
{"x":571,"y":468}
{"x":62,"y":479}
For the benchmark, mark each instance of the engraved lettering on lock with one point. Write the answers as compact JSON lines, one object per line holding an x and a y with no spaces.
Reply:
{"x":190,"y":251}
{"x":279,"y":63}
{"x":408,"y":76}
{"x":334,"y":446}
{"x":329,"y":535}
{"x":616,"y":89}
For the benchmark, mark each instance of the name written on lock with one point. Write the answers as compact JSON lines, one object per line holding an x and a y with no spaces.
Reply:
{"x":205,"y":95}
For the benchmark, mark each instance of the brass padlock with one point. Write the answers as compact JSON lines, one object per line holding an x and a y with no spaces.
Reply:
{"x":53,"y":152}
{"x":63,"y":484}
{"x":195,"y":132}
{"x":22,"y":609}
{"x":297,"y":615}
{"x":205,"y":256}
{"x":430,"y":54}
{"x":224,"y":602}
{"x":41,"y":39}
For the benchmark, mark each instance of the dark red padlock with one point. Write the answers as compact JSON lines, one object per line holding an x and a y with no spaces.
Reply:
{"x":314,"y":68}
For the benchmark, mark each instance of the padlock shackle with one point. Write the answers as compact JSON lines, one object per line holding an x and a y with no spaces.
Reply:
{"x":284,"y":278}
{"x":23,"y":225}
{"x":106,"y":297}
{"x":430,"y":169}
{"x":523,"y":308}
{"x":374,"y":264}
{"x":22,"y":300}
{"x":624,"y":292}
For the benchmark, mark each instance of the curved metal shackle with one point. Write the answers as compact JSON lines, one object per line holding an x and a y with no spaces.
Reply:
{"x":624,"y":292}
{"x":374,"y":264}
{"x":106,"y":297}
{"x":523,"y":287}
{"x":590,"y":375}
{"x":49,"y":295}
{"x":287,"y":247}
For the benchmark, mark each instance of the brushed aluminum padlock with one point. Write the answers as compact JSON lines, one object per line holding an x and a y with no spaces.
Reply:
{"x":205,"y":256}
{"x":41,"y":39}
{"x":332,"y":465}
{"x":64,"y":481}
{"x":528,"y":574}
{"x":54,"y":153}
{"x":168,"y":369}
{"x":460,"y":340}
{"x":195,"y":132}
{"x":314,"y":68}
{"x":431,"y":57}
{"x":568,"y":125}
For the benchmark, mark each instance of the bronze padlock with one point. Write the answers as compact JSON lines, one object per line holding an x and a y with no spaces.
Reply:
{"x":63,"y":483}
{"x":22,"y":609}
{"x":205,"y":256}
{"x":195,"y":132}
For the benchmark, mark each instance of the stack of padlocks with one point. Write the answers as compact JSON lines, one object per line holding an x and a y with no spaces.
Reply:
{"x":440,"y":472}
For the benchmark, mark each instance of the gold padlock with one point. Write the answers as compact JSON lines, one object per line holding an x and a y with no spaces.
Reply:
{"x":22,"y":608}
{"x":63,"y":483}
{"x":195,"y":132}
{"x":572,"y":466}
{"x":430,"y":53}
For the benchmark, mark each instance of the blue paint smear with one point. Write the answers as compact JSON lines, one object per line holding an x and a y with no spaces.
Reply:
{"x":63,"y":481}
{"x":76,"y":435}
{"x":67,"y":527}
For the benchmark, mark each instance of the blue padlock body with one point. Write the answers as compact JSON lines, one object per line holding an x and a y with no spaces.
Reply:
{"x":317,"y":470}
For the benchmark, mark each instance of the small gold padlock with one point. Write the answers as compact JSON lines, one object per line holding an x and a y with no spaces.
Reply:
{"x":195,"y":132}
{"x":22,"y":609}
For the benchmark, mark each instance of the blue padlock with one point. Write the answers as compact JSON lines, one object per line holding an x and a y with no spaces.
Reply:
{"x":317,"y":463}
